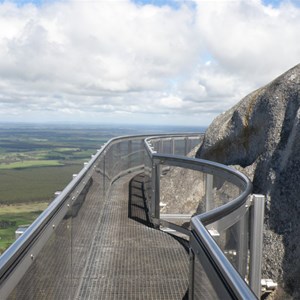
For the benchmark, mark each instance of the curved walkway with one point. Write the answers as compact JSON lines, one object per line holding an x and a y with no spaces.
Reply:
{"x":98,"y":252}
{"x":129,"y":260}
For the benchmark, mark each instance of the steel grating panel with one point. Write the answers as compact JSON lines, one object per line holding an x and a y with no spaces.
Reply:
{"x":100,"y":253}
{"x":129,"y":260}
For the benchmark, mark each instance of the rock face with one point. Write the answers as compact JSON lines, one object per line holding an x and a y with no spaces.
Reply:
{"x":182,"y":190}
{"x":261,"y":135}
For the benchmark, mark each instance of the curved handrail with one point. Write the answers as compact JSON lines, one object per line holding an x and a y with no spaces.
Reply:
{"x":234,"y":281}
{"x":8,"y":258}
{"x":174,"y":136}
{"x":209,"y":167}
{"x":14,"y":254}
{"x":232,"y":278}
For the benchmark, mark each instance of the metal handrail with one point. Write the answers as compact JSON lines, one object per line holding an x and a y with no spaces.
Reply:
{"x":213,"y":168}
{"x":9,"y":260}
{"x":174,"y":136}
{"x":233,"y":280}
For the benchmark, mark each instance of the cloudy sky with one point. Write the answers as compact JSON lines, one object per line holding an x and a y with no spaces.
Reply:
{"x":153,"y":62}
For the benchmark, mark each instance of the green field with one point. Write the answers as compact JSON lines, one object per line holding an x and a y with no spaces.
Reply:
{"x":35,"y":162}
{"x":34,"y":184}
{"x":13,"y":216}
{"x":30,"y":164}
{"x":38,"y":160}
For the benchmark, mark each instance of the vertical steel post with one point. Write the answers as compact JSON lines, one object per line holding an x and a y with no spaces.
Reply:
{"x":169,"y":148}
{"x":155,"y":199}
{"x":142,"y":153}
{"x":256,"y":242}
{"x":209,"y":192}
{"x":189,"y":146}
{"x":117,"y":156}
{"x":104,"y":174}
{"x":172,"y":146}
{"x":129,"y":156}
{"x":192,"y":274}
{"x":242,"y":245}
{"x":160,"y":146}
{"x":185,"y":146}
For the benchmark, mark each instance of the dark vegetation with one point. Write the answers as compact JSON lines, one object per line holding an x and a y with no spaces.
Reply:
{"x":38,"y":160}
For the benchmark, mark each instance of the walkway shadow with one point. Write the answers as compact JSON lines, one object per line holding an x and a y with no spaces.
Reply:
{"x":138,"y":210}
{"x":137,"y":204}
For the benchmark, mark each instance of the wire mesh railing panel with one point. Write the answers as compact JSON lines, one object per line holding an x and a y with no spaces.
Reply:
{"x":50,"y":274}
{"x":182,"y":191}
{"x":175,"y":188}
{"x":185,"y":145}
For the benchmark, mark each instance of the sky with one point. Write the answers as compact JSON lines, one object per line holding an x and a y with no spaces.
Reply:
{"x":151,"y":62}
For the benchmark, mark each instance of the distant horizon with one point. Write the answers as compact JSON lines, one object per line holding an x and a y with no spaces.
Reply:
{"x":86,"y":124}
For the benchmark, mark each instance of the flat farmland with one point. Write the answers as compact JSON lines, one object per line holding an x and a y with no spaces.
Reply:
{"x":34,"y":184}
{"x":35,"y":162}
{"x":38,"y":160}
{"x":14,"y":216}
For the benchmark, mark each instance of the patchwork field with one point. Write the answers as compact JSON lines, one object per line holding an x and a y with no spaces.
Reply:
{"x":34,"y":184}
{"x":38,"y":160}
{"x":14,"y":216}
{"x":35,"y":162}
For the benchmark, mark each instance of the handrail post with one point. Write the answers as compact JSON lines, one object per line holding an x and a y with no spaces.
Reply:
{"x":209,"y":192}
{"x":155,"y":208}
{"x":129,"y":149}
{"x":186,"y":146}
{"x":172,"y":146}
{"x":104,"y":173}
{"x":161,"y":146}
{"x":242,"y":245}
{"x":256,"y":242}
{"x":191,"y":274}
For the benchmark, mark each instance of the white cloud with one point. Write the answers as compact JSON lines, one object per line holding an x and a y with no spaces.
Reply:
{"x":250,"y":39}
{"x":99,"y":58}
{"x":171,"y":102}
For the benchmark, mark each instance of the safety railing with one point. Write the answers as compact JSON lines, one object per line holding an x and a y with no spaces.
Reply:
{"x":224,"y":232}
{"x":212,"y":205}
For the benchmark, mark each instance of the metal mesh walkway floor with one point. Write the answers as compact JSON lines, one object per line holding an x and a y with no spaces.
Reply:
{"x":98,"y":252}
{"x":129,"y":260}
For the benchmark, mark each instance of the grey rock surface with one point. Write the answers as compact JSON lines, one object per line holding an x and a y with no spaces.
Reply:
{"x":182,"y":191}
{"x":261,"y":137}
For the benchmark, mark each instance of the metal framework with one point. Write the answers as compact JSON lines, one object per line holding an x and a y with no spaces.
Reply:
{"x":225,"y":240}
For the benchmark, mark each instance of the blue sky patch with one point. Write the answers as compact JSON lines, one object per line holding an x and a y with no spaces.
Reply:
{"x":276,"y":3}
{"x":171,"y":3}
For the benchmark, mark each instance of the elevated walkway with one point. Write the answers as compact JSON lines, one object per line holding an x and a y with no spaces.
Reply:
{"x":129,"y":260}
{"x":117,"y":257}
{"x":97,"y":239}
